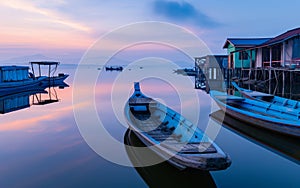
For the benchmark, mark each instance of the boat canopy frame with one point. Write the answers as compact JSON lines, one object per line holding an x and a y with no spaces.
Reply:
{"x":46,"y":63}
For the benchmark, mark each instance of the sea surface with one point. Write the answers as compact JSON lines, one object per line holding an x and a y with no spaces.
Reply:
{"x":46,"y":145}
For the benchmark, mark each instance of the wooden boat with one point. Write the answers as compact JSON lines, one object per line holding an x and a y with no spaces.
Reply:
{"x":159,"y":175}
{"x":265,"y":115}
{"x":113,"y":68}
{"x":186,"y":71}
{"x":285,"y":146}
{"x":51,"y":78}
{"x":173,"y":137}
{"x":289,"y":103}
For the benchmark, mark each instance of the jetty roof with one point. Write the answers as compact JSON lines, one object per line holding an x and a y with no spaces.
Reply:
{"x":245,"y":42}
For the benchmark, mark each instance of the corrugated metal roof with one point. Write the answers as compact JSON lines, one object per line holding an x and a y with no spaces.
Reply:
{"x":13,"y":67}
{"x":280,"y":38}
{"x":245,"y":42}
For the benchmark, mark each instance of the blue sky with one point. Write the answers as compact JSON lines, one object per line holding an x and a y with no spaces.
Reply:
{"x":67,"y":28}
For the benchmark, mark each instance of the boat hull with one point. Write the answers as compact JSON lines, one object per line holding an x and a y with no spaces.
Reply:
{"x":20,"y":86}
{"x":55,"y":80}
{"x":277,"y":125}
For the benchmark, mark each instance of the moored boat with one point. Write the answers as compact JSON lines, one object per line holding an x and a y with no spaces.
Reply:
{"x":173,"y":137}
{"x":265,"y":115}
{"x":15,"y":79}
{"x":280,"y":101}
{"x":51,"y":78}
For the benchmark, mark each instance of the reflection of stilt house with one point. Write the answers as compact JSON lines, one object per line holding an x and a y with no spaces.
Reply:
{"x":211,"y":69}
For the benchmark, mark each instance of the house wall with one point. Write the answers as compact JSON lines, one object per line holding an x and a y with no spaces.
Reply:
{"x":258,"y":58}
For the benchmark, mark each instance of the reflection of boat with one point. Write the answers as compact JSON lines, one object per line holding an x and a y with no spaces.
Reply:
{"x":14,"y":79}
{"x":51,"y":79}
{"x":113,"y":68}
{"x":18,"y":101}
{"x":280,"y":101}
{"x":174,"y":138}
{"x":262,"y":114}
{"x":284,"y":145}
{"x":48,"y":97}
{"x":162,"y":174}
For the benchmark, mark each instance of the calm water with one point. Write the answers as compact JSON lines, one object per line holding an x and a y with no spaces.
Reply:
{"x":41,"y":146}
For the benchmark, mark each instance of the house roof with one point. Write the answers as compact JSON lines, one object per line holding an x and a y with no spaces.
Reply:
{"x":285,"y":36}
{"x":245,"y":42}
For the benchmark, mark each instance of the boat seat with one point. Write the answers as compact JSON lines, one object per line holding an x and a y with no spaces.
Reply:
{"x":269,"y":106}
{"x":295,"y":105}
{"x":285,"y":102}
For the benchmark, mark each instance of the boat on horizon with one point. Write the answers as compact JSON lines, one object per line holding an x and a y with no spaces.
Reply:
{"x":272,"y":117}
{"x":162,"y":174}
{"x":171,"y":136}
{"x":268,"y":98}
{"x":114,"y":68}
{"x":16,"y":79}
{"x":51,"y":79}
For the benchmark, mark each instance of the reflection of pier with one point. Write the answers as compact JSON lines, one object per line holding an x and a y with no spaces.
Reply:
{"x":163,"y":174}
{"x":285,"y":146}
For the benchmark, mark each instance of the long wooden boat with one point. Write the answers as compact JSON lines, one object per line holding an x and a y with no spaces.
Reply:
{"x":8,"y":88}
{"x":268,"y":98}
{"x":173,"y":137}
{"x":265,"y":115}
{"x":159,"y":175}
{"x":285,"y":146}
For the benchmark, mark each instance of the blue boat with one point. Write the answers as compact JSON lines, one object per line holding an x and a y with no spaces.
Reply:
{"x":269,"y":116}
{"x":280,"y":101}
{"x":51,"y":78}
{"x":15,"y":79}
{"x":171,"y":136}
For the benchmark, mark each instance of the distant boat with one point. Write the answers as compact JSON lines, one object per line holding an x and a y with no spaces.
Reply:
{"x":272,"y":99}
{"x":265,"y":115}
{"x":51,"y":78}
{"x":113,"y":68}
{"x":162,"y":174}
{"x":15,"y":79}
{"x":186,"y":71}
{"x":174,"y":138}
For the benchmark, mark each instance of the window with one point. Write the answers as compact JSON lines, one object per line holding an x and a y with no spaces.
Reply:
{"x":243,"y":55}
{"x":296,"y":48}
{"x":276,"y":53}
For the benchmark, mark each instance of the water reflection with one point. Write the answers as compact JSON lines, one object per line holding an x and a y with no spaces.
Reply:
{"x":18,"y":101}
{"x":50,"y":96}
{"x":163,"y":174}
{"x":40,"y":96}
{"x":285,"y":146}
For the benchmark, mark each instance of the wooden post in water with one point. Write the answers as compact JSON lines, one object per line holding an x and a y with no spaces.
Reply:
{"x":283,"y":82}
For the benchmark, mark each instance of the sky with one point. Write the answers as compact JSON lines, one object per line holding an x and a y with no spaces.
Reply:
{"x":66,"y":29}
